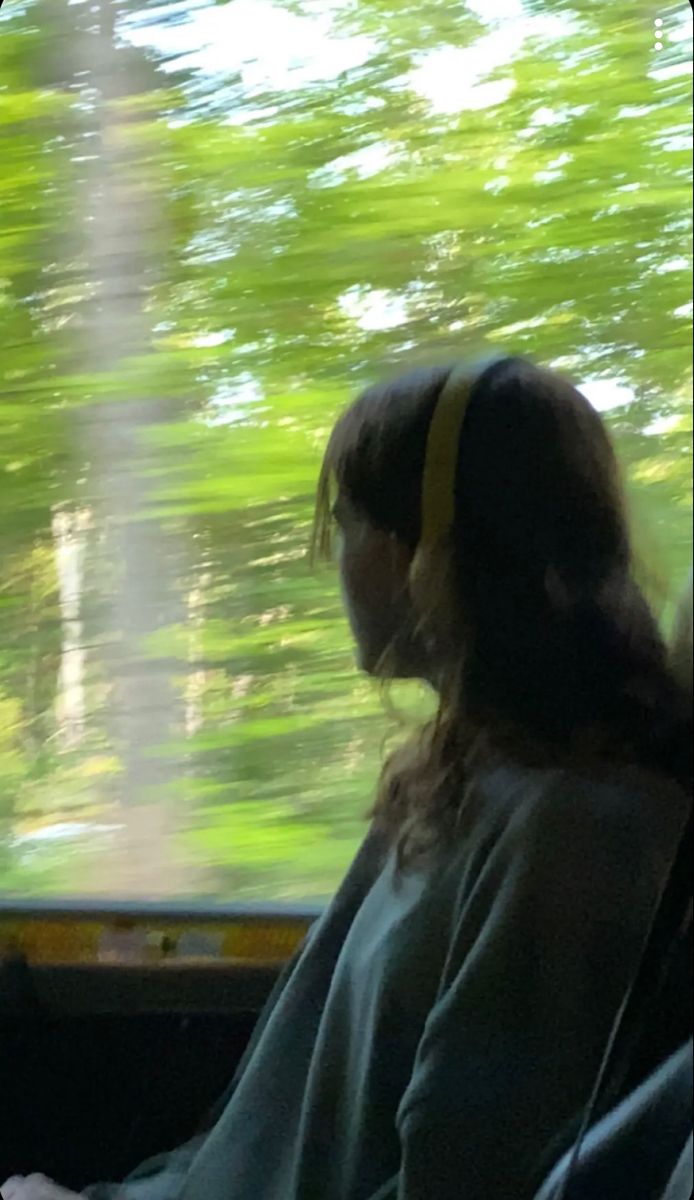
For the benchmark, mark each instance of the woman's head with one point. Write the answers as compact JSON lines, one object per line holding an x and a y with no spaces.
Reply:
{"x":523,"y":611}
{"x":537,"y":512}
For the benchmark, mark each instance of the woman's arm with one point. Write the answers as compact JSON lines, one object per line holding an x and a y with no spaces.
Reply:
{"x":544,"y":951}
{"x":34,"y":1187}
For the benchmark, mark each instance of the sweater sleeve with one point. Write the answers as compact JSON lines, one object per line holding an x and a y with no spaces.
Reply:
{"x":545,"y":945}
{"x":163,"y":1177}
{"x":166,"y":1176}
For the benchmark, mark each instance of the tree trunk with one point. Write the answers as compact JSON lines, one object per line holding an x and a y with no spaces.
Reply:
{"x":69,"y":535}
{"x":142,"y":577}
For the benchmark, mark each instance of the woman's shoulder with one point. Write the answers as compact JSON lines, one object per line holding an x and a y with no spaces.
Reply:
{"x":583,"y":840}
{"x":623,"y":804}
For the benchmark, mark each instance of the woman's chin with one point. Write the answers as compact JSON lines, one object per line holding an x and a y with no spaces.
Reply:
{"x":380,"y":663}
{"x":366,"y":662}
{"x":372,"y":661}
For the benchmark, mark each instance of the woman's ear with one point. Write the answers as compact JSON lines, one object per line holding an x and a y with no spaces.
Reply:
{"x":430,"y":588}
{"x":400,"y":557}
{"x":557,"y":592}
{"x":681,"y":647}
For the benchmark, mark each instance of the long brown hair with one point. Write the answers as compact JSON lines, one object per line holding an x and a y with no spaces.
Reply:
{"x":552,"y":653}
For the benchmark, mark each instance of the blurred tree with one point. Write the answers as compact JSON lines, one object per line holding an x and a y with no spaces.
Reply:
{"x":205,"y":247}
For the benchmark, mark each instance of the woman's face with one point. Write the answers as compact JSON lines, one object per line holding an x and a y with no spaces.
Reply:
{"x":374,"y":569}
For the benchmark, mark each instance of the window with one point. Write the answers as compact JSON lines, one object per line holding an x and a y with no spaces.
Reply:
{"x":209,"y":240}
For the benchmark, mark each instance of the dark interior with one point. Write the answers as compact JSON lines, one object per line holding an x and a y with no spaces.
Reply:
{"x":103,"y":1067}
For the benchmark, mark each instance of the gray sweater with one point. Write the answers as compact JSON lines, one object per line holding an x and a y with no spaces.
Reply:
{"x":440,"y":1031}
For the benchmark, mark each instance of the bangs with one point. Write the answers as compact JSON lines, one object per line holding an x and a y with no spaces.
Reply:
{"x":375,"y":457}
{"x":341,"y":449}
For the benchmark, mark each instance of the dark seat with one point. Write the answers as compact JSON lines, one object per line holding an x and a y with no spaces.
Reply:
{"x":640,"y":1149}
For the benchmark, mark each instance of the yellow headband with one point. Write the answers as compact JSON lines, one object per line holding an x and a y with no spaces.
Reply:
{"x":441,"y":458}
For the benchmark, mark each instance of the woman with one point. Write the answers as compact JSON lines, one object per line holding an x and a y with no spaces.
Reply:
{"x":642,"y":1149}
{"x":440,"y":1032}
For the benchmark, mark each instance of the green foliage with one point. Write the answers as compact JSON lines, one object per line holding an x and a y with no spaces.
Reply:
{"x":198,"y":268}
